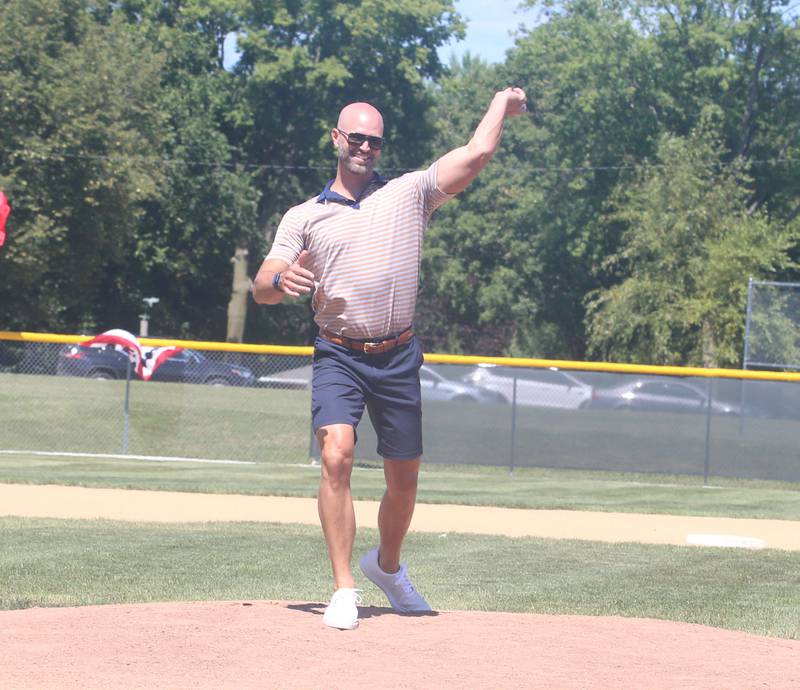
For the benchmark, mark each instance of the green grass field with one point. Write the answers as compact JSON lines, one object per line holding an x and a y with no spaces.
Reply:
{"x":87,"y":415}
{"x":52,"y":413}
{"x":65,"y":562}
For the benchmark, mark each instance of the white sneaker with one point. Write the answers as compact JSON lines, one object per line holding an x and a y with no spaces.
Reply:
{"x":342,"y":612}
{"x":396,"y":586}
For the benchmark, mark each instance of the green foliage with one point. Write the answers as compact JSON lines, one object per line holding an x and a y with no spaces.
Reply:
{"x":526,"y":232}
{"x":302,"y":61}
{"x":518,"y":258}
{"x":688,"y":246}
{"x":129,"y":149}
{"x":77,"y":113}
{"x":136,"y":164}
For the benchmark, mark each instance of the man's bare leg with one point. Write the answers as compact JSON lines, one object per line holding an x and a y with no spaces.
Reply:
{"x":396,"y":510}
{"x":335,"y":502}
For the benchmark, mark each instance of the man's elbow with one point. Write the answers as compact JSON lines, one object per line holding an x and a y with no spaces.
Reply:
{"x":458,"y":183}
{"x":480,"y":153}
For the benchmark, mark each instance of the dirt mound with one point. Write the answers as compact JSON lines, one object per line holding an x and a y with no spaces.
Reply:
{"x":260,"y":644}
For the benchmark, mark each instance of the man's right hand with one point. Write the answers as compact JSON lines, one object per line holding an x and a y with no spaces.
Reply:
{"x":297,"y":280}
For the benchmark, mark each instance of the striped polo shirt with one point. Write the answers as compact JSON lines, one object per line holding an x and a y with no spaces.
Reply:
{"x":365,"y":255}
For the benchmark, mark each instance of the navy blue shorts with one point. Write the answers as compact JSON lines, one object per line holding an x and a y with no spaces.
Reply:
{"x":344,"y":381}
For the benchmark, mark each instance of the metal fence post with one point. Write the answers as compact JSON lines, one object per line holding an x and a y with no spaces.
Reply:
{"x":707,"y":462}
{"x":513,"y":423}
{"x":746,"y":356}
{"x":127,"y":407}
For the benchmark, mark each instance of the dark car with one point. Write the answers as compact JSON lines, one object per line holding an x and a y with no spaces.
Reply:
{"x":658,"y":395}
{"x":186,"y":366}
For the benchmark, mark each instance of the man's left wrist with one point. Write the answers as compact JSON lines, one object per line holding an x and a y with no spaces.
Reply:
{"x":276,"y":281}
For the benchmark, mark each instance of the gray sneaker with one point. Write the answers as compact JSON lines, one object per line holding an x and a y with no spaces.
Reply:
{"x":396,"y":586}
{"x":342,"y":612}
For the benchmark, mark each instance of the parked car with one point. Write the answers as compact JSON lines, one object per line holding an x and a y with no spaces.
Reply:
{"x":299,"y":377}
{"x":188,"y":366}
{"x":433,"y":385}
{"x":659,"y":395}
{"x":548,"y":387}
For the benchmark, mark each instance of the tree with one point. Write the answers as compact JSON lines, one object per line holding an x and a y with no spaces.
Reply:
{"x":514,"y":258}
{"x":515,"y":252}
{"x":689,"y":245}
{"x":77,"y":115}
{"x":742,"y":57}
{"x":206,"y":207}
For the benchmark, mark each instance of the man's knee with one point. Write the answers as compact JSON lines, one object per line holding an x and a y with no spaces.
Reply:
{"x":337,"y":446}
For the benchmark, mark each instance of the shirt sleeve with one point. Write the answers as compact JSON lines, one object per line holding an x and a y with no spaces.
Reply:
{"x":289,"y":239}
{"x":432,"y":196}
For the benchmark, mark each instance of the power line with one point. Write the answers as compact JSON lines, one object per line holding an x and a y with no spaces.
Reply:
{"x":327,"y":167}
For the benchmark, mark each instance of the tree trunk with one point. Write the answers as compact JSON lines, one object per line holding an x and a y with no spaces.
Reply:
{"x":237,"y":307}
{"x":710,"y":359}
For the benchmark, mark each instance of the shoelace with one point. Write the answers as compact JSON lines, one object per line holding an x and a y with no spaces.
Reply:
{"x":359,"y":600}
{"x":401,"y":578}
{"x":337,"y":594}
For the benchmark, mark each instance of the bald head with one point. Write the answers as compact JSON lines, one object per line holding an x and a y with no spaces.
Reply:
{"x":357,"y":159}
{"x":361,"y":117}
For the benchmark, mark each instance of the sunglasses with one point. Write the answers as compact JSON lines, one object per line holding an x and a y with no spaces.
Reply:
{"x":358,"y":139}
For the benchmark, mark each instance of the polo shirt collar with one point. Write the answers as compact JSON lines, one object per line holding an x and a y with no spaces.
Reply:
{"x":328,"y":194}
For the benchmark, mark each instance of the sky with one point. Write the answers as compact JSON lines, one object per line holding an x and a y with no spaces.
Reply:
{"x":490,"y":24}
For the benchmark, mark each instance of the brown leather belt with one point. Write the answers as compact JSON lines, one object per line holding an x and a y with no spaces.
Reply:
{"x":374,"y":347}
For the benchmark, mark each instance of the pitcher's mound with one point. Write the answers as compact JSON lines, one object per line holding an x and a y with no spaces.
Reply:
{"x":261,"y":644}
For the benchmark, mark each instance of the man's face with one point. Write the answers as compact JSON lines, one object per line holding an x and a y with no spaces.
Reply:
{"x":357,"y":124}
{"x":359,"y":160}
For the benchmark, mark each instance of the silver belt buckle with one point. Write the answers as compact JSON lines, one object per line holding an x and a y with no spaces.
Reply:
{"x":369,"y":348}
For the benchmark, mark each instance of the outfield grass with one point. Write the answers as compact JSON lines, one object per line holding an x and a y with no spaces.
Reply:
{"x":470,"y":485}
{"x":52,"y":413}
{"x":67,"y":563}
{"x":87,"y":415}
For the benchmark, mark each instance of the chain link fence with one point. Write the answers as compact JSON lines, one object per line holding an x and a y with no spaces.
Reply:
{"x":256,"y":407}
{"x":199,"y":404}
{"x":772,"y":329}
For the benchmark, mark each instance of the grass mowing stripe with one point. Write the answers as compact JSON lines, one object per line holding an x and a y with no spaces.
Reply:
{"x":65,"y":563}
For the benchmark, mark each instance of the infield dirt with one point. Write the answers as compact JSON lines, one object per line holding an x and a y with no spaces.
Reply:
{"x":26,"y":500}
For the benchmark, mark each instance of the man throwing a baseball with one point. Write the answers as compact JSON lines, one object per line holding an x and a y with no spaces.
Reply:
{"x":358,"y":246}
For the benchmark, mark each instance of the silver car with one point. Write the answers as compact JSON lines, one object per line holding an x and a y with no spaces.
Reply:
{"x":434,"y":386}
{"x":663,"y":395}
{"x":546,"y":387}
